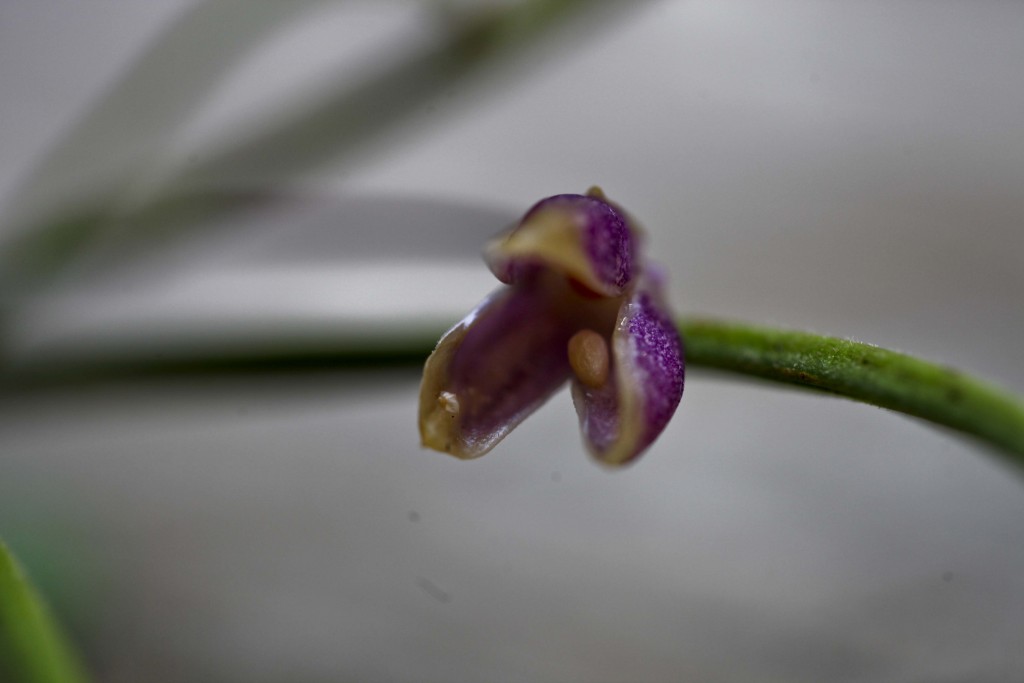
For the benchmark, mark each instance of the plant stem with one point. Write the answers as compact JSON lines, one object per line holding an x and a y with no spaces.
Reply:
{"x":862,"y":372}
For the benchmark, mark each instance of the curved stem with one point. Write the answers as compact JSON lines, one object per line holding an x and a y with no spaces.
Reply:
{"x":865,"y":373}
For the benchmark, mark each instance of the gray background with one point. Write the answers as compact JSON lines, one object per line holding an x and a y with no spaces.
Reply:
{"x":851,"y":168}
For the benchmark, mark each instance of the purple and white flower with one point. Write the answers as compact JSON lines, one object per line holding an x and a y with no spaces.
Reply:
{"x":578,"y":303}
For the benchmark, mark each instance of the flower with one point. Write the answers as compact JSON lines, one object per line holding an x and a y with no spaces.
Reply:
{"x":578,"y":303}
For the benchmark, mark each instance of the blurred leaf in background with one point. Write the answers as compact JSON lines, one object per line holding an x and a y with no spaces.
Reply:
{"x":81,"y":198}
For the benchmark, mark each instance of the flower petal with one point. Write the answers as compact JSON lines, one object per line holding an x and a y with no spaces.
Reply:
{"x":620,"y":419}
{"x":583,"y":236}
{"x":493,"y":369}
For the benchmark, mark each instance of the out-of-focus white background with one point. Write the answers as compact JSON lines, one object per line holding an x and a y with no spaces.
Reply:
{"x":851,"y":168}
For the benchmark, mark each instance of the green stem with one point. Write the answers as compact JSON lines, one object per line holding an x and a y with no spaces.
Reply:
{"x":865,"y":373}
{"x":858,"y":371}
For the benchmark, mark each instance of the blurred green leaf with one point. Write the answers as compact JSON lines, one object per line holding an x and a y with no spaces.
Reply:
{"x":98,"y":158}
{"x":335,"y":126}
{"x":32,"y":648}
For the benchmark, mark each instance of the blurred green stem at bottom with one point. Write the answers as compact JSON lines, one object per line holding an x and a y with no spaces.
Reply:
{"x":32,"y":648}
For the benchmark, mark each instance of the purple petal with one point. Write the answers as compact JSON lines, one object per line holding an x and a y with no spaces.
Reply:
{"x":493,"y":369}
{"x":583,"y":236}
{"x":622,"y":418}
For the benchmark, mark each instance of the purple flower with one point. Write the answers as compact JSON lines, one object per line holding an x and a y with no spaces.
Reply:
{"x":580,"y":304}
